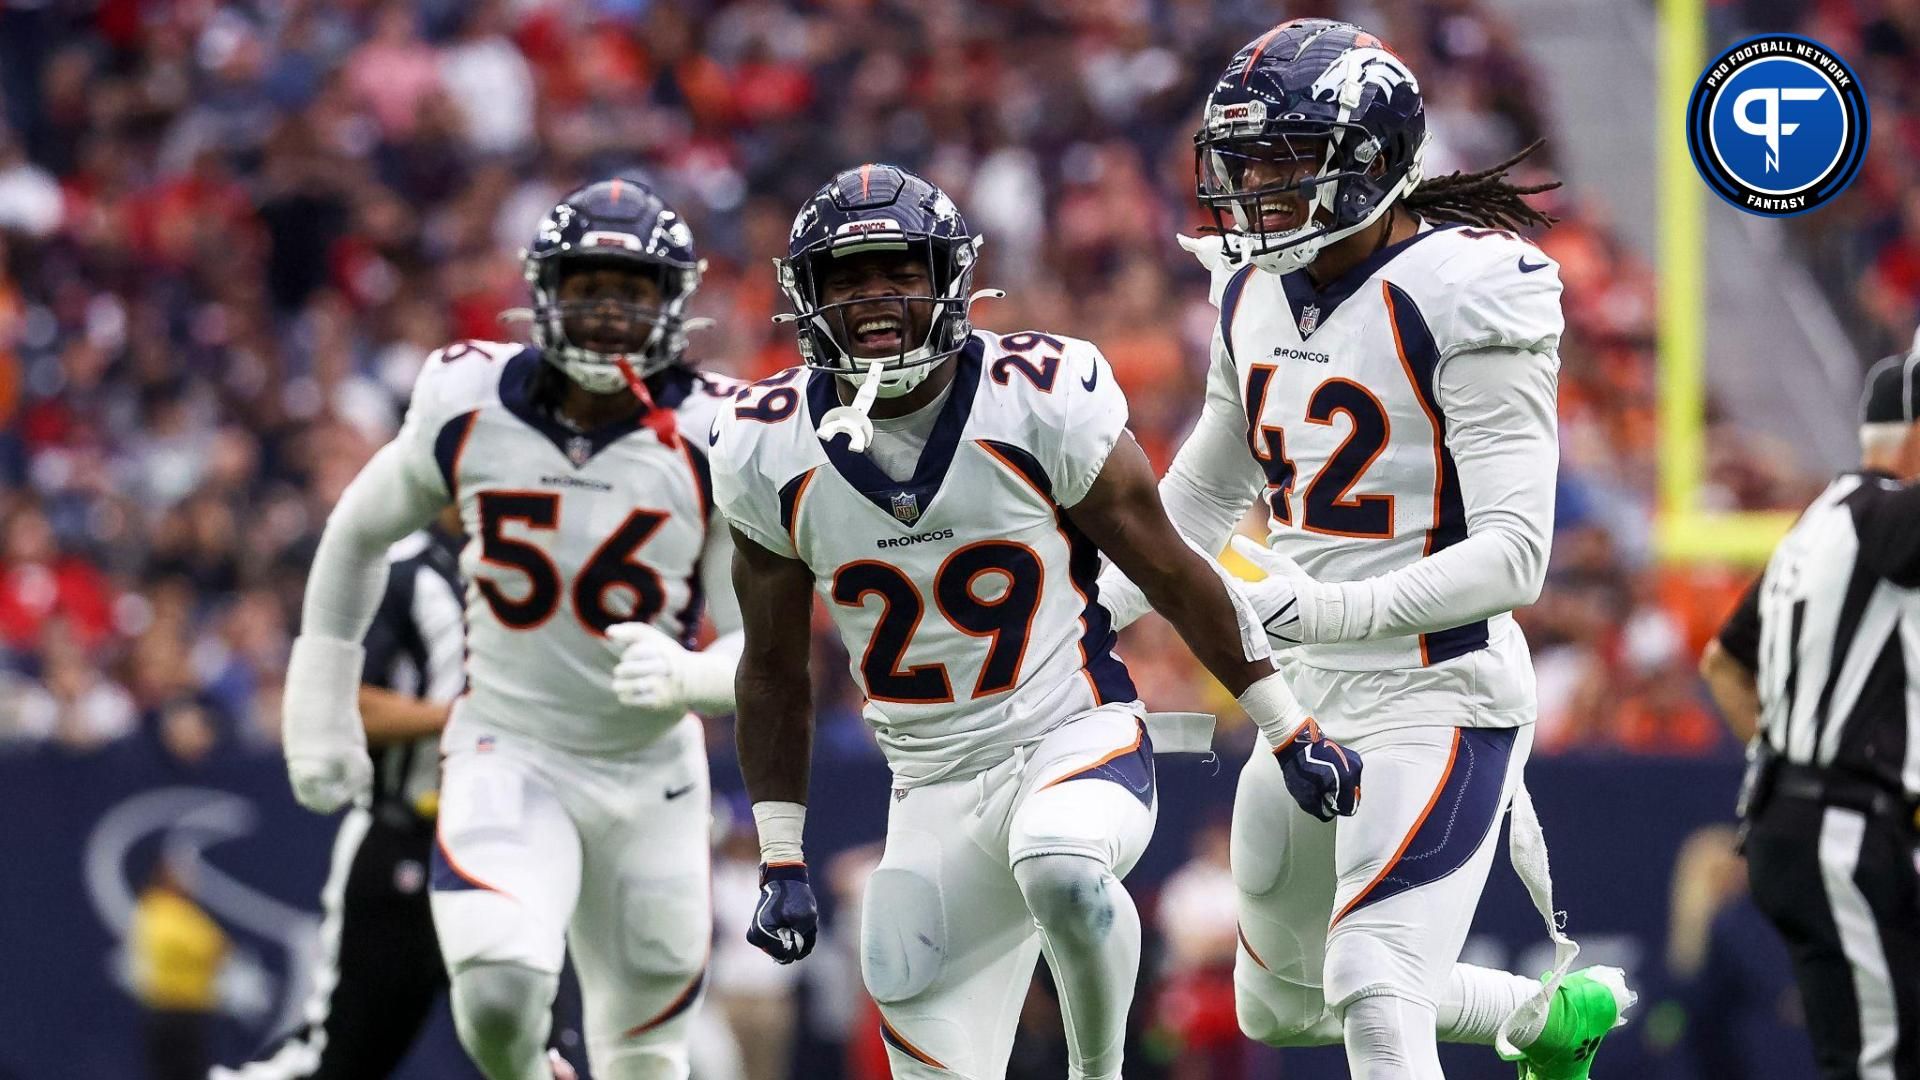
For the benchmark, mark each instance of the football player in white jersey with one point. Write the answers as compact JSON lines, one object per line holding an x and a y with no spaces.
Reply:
{"x":948,"y":492}
{"x":574,"y":796}
{"x":1384,"y":374}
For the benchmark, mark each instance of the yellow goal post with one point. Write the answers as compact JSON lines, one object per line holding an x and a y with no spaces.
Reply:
{"x":1685,"y":530}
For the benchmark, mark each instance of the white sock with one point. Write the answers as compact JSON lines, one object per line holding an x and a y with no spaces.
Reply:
{"x":1090,"y":932}
{"x":1391,"y":1038}
{"x":1478,"y":1000}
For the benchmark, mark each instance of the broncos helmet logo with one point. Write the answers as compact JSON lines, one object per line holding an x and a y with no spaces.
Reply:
{"x":674,"y":231}
{"x":1359,"y":68}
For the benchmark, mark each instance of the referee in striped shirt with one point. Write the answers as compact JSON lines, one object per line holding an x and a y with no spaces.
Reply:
{"x":1819,"y":668}
{"x":380,"y":971}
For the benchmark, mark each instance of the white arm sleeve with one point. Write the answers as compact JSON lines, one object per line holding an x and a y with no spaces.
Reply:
{"x":1503,"y":434}
{"x":716,"y":577}
{"x":389,"y":499}
{"x":1207,"y":489}
{"x":707,"y":674}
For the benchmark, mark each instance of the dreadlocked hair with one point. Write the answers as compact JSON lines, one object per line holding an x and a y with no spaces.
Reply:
{"x":1485,"y":199}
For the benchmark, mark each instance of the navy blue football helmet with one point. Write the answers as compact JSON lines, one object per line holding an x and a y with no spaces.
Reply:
{"x":1314,"y":110}
{"x":879,"y":208}
{"x":623,"y":222}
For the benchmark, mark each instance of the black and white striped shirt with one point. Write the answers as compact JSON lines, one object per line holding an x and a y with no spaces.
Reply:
{"x":1832,"y":632}
{"x":416,"y":646}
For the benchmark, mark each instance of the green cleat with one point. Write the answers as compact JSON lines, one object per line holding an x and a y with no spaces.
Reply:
{"x":1588,"y":1004}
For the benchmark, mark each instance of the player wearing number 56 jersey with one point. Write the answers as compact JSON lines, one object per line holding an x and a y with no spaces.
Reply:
{"x":574,"y":798}
{"x":947,"y":492}
{"x":1383,"y":381}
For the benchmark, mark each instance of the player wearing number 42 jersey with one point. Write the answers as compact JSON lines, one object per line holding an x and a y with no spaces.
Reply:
{"x":574,"y":797}
{"x":1383,"y":377}
{"x":948,"y":493}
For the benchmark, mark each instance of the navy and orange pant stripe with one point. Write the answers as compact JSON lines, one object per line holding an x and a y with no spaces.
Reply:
{"x":1465,"y":805}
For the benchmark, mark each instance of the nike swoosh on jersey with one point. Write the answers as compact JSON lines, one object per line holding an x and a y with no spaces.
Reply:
{"x":713,"y":434}
{"x":1092,"y":380}
{"x":674,"y":793}
{"x":1525,"y":268}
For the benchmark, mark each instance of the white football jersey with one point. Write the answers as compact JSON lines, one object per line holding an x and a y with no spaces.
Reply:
{"x":567,"y":534}
{"x":964,"y":595}
{"x":1338,"y":386}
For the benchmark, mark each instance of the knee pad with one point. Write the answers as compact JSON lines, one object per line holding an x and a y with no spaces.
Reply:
{"x":1094,"y":818}
{"x":1282,"y":1013}
{"x":1261,"y":815}
{"x":903,"y":927}
{"x":665,"y":927}
{"x":1069,"y":895}
{"x":502,"y":1013}
{"x":1362,"y":963}
{"x":642,"y":1063}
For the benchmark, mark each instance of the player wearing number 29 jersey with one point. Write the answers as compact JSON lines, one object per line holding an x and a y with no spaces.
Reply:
{"x":963,"y":593}
{"x":942,"y":490}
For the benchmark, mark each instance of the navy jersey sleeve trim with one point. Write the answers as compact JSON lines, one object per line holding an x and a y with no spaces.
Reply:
{"x":447,"y":447}
{"x":790,"y":495}
{"x":1420,"y":358}
{"x":1103,"y":669}
{"x":1023,"y":463}
{"x":702,"y":476}
{"x":1230,"y":306}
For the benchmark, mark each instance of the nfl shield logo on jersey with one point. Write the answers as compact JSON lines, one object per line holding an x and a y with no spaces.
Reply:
{"x":1309,"y":319}
{"x":906,"y":506}
{"x":579,"y":450}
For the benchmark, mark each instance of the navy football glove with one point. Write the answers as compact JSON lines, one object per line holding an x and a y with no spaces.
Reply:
{"x":1322,"y":776}
{"x":786,"y":919}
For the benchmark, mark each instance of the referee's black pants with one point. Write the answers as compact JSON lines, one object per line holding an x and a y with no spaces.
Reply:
{"x":1841,"y":886}
{"x":380,"y":971}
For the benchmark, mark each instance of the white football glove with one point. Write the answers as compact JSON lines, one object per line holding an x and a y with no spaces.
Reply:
{"x":656,"y":672}
{"x":321,"y":734}
{"x":1276,"y":598}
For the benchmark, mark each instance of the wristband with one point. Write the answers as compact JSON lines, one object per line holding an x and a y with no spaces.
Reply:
{"x":320,"y":701}
{"x":780,"y":825}
{"x":706,"y":677}
{"x":1273,"y":708}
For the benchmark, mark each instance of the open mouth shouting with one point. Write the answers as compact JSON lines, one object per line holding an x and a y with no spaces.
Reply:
{"x":1280,"y":215}
{"x":876,"y":335}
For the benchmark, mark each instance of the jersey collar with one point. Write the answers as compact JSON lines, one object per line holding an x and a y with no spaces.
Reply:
{"x":917,"y":492}
{"x":517,"y":384}
{"x":1313,"y":305}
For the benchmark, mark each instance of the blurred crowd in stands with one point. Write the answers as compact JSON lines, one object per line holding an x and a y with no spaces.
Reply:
{"x":230,"y":233}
